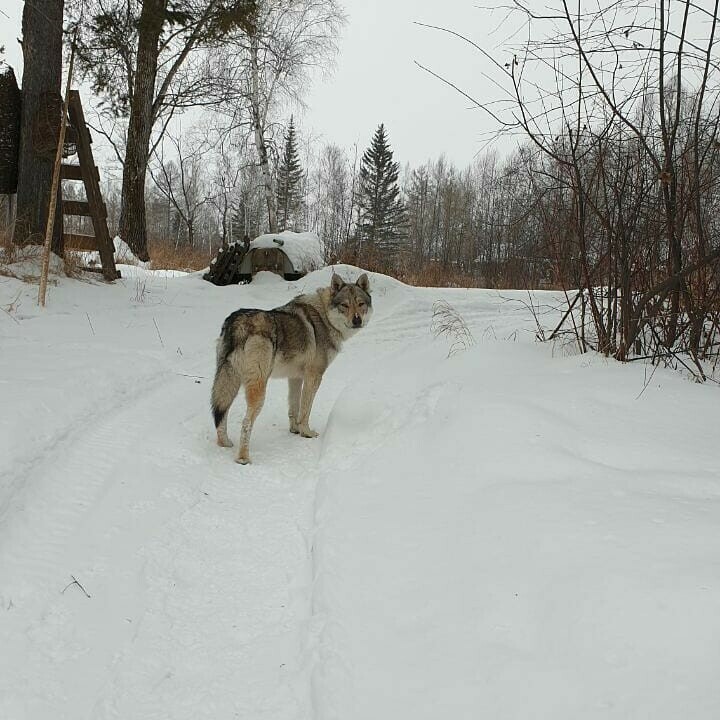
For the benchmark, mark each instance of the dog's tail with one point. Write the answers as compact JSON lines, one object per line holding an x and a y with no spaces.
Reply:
{"x":227,"y":381}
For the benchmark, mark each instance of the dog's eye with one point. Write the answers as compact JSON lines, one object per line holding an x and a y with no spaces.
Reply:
{"x":361,"y":304}
{"x":344,"y":306}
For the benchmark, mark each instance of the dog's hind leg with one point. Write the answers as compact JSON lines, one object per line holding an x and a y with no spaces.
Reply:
{"x":294,"y":388}
{"x":255,"y":397}
{"x":225,"y":389}
{"x":257,"y":366}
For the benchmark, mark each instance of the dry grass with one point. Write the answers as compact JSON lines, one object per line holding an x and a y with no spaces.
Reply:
{"x":164,"y":256}
{"x":141,"y":290}
{"x":21,"y":262}
{"x":72,"y":265}
{"x":8,"y":251}
{"x":434,"y":275}
{"x":448,"y":323}
{"x":12,"y":307}
{"x":410,"y":271}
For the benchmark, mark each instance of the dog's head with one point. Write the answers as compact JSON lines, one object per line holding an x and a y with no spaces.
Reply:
{"x":350,"y":303}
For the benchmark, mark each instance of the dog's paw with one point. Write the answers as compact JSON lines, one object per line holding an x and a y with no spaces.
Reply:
{"x":308,"y":433}
{"x":242,"y":460}
{"x":224,"y":442}
{"x":294,"y":429}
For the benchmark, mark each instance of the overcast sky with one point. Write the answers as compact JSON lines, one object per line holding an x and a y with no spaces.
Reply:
{"x":376,"y":80}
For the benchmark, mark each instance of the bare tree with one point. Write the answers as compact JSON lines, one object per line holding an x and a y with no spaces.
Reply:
{"x":332,"y":199}
{"x":227,"y":168}
{"x":621,"y":102}
{"x":182,"y":180}
{"x":269,"y":65}
{"x":143,"y":57}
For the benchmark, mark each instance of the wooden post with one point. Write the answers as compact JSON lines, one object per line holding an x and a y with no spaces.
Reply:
{"x":55,"y":183}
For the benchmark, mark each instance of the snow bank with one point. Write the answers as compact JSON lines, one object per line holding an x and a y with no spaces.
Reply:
{"x":506,"y":535}
{"x":499,"y":534}
{"x":143,"y":271}
{"x":305,"y":250}
{"x":123,"y":255}
{"x":25,"y":262}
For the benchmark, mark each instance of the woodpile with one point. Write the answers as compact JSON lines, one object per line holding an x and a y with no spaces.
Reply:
{"x":225,"y":268}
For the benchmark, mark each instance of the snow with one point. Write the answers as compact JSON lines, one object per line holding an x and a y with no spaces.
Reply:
{"x":26,"y":263}
{"x":305,"y":250}
{"x":509,"y":532}
{"x":123,"y":255}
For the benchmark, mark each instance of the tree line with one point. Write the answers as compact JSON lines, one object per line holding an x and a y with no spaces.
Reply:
{"x":147,"y":61}
{"x":477,"y":222}
{"x":620,"y":104}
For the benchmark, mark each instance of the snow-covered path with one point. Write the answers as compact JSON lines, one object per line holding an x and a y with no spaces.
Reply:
{"x":198,"y":573}
{"x":496,"y":534}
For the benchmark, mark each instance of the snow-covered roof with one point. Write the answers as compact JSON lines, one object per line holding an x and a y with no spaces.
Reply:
{"x":305,"y":250}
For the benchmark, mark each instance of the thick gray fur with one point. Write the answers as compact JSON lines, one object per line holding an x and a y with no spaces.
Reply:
{"x":297,"y":341}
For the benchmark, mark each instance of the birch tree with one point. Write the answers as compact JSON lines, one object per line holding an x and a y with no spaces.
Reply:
{"x":269,"y":66}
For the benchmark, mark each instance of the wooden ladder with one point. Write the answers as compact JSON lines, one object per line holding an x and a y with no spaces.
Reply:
{"x":94,"y":206}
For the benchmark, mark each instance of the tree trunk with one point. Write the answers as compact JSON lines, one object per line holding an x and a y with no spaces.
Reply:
{"x":225,"y":224}
{"x":133,"y":229}
{"x":40,"y":121}
{"x":258,"y":121}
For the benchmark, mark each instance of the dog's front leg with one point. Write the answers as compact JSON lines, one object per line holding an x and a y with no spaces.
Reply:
{"x":311,"y":383}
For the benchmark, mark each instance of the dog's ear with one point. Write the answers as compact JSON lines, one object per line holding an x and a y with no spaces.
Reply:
{"x":336,"y":284}
{"x":363,"y":283}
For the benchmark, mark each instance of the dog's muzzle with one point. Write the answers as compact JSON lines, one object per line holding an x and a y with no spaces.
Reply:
{"x":357,"y":321}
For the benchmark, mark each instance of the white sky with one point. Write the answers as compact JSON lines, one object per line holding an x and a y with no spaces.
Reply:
{"x":375,"y":79}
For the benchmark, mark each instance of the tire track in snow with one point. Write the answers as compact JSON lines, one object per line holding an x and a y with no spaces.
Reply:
{"x":227,"y":595}
{"x":198,"y":569}
{"x":25,"y":468}
{"x":201,"y":571}
{"x":59,"y":485}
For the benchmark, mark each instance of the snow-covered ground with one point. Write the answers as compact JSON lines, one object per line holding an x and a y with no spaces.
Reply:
{"x":508,"y":532}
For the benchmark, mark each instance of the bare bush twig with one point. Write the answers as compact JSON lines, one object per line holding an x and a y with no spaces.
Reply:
{"x":75,"y":581}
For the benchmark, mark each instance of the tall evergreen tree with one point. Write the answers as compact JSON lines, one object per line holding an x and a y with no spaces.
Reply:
{"x":289,"y":184}
{"x":382,"y":221}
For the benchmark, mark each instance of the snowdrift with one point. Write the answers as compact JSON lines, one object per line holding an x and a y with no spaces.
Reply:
{"x":502,"y":534}
{"x":496,"y":534}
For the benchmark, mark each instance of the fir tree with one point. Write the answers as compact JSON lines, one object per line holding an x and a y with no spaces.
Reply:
{"x":382,"y":222}
{"x":289,"y":184}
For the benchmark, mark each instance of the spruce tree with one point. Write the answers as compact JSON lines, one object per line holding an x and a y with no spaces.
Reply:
{"x":289,"y":184}
{"x":382,"y":222}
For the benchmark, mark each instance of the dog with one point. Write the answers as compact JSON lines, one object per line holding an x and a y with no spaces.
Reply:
{"x":297,"y":341}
